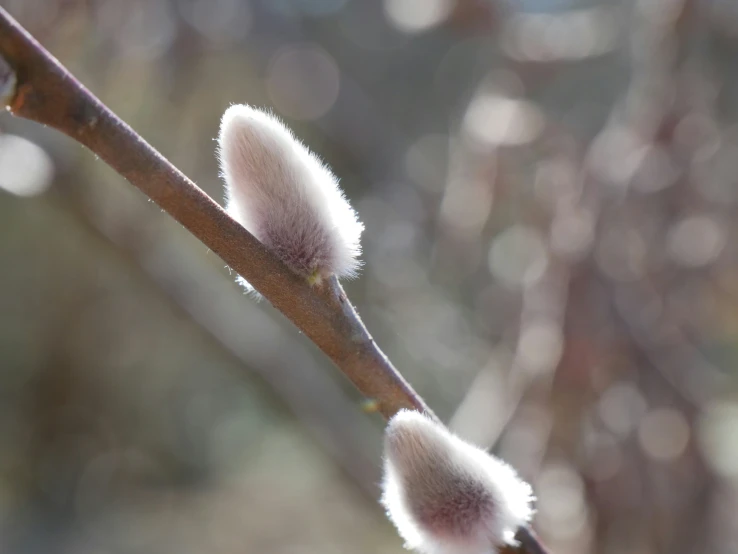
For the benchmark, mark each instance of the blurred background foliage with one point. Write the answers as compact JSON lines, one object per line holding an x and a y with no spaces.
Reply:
{"x":550,"y":189}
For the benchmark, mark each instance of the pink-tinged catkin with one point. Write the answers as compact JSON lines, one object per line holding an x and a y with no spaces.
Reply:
{"x":286,"y":197}
{"x":446,"y":496}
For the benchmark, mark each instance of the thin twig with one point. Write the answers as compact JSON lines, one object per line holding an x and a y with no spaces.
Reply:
{"x":47,"y":93}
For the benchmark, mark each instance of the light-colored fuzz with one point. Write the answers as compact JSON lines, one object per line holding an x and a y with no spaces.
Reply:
{"x":446,"y":496}
{"x":286,"y":197}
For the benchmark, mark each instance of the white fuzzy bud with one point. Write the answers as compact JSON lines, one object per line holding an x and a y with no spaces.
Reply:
{"x":286,"y":197}
{"x":446,"y":496}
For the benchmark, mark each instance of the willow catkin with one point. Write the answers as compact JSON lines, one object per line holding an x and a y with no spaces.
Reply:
{"x":446,"y":496}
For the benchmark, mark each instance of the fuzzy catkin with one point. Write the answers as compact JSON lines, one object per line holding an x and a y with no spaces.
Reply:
{"x":286,"y":197}
{"x":446,"y":496}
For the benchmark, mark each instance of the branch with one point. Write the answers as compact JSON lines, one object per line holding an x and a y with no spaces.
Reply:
{"x":35,"y":86}
{"x":42,"y":90}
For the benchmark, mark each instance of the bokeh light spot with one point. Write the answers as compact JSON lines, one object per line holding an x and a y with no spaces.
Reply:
{"x":25,"y":168}
{"x":717,"y":435}
{"x":570,"y":35}
{"x":621,"y":408}
{"x":696,"y":241}
{"x":518,"y":256}
{"x":303,"y":81}
{"x":540,"y":346}
{"x":414,"y":16}
{"x":663,"y":434}
{"x":562,"y":511}
{"x":572,"y":232}
{"x":497,"y":120}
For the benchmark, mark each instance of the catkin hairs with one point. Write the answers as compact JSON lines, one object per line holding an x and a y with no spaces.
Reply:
{"x":446,"y":496}
{"x":286,"y":197}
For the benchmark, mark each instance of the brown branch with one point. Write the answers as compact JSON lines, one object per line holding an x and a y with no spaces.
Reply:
{"x":35,"y":86}
{"x":47,"y":93}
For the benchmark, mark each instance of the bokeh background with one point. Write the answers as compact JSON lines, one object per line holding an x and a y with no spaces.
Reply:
{"x":550,"y":190}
